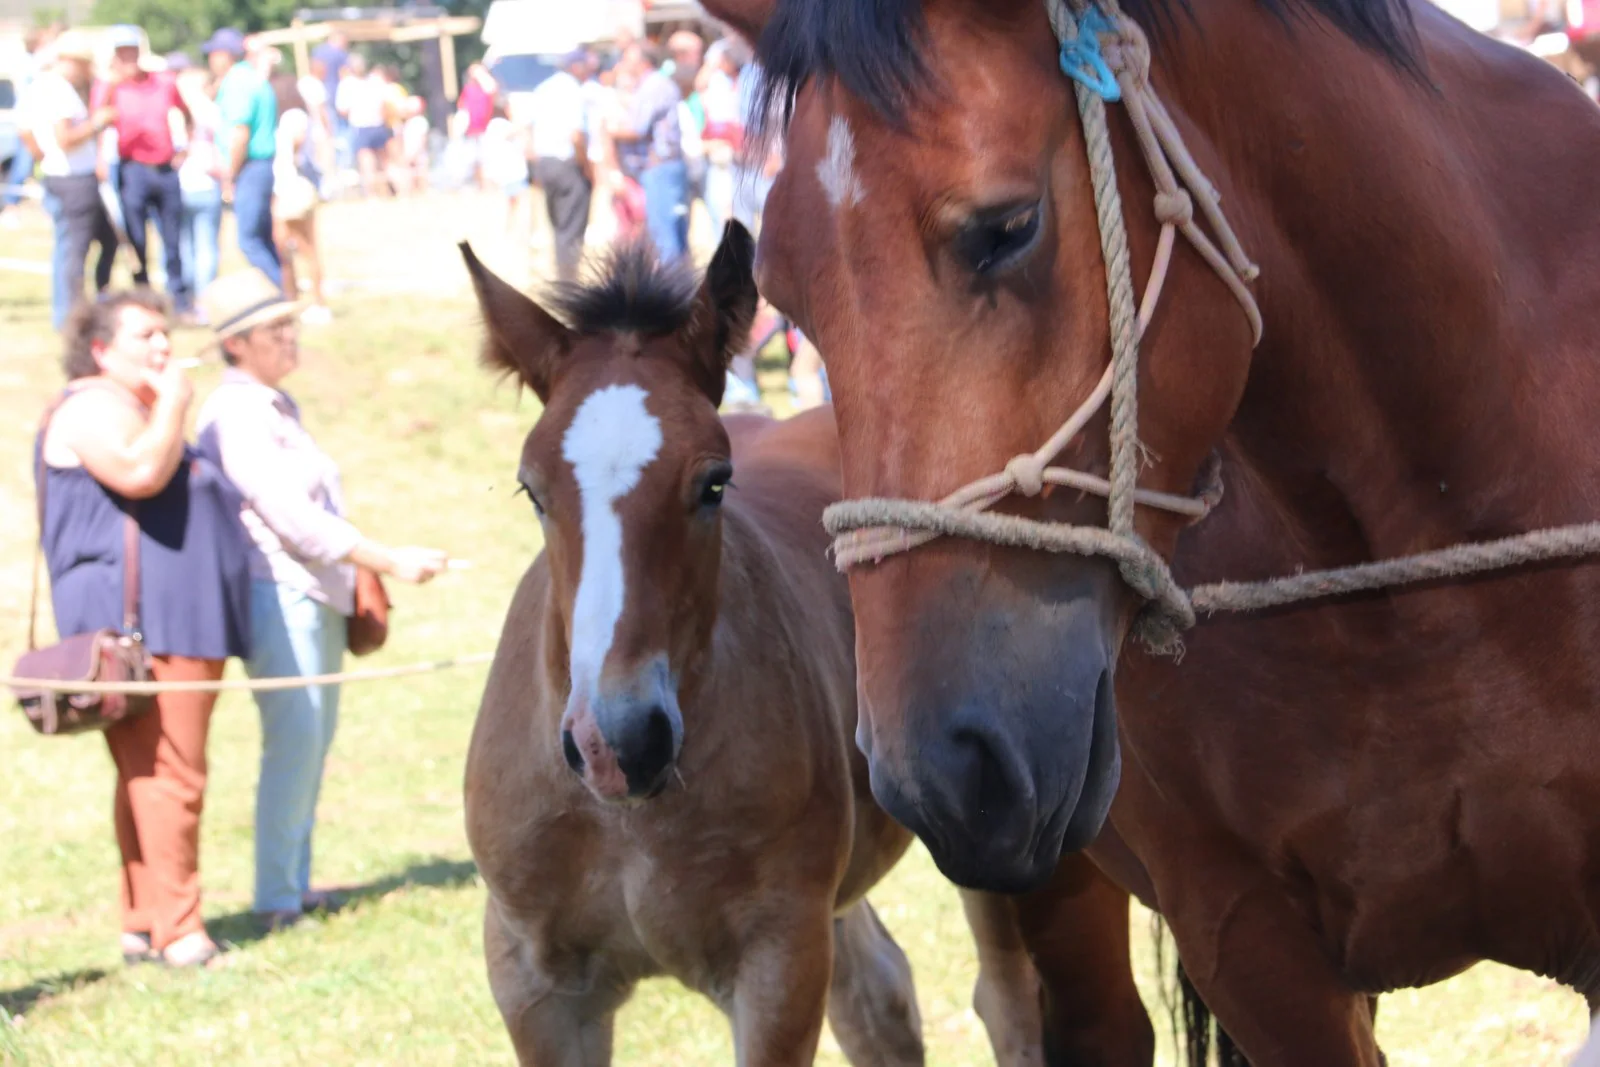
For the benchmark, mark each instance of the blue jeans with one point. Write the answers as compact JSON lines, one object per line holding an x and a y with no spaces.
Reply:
{"x":291,"y":635}
{"x":666,"y":208}
{"x":197,"y":237}
{"x":60,"y":297}
{"x":252,"y":211}
{"x":21,"y":170}
{"x":153,"y":194}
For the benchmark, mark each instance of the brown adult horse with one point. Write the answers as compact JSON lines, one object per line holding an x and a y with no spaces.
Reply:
{"x":685,"y":647}
{"x":1325,"y":801}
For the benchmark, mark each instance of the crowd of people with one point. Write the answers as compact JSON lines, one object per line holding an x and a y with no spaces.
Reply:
{"x":239,"y":539}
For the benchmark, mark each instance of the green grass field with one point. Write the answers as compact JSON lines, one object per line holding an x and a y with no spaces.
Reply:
{"x":428,"y":446}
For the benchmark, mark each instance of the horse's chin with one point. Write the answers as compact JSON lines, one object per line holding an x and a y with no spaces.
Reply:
{"x":1005,"y":790}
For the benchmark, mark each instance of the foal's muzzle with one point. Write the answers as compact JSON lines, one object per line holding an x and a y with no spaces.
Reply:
{"x":624,"y":741}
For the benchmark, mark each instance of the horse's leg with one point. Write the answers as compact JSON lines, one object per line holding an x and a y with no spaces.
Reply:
{"x":547,"y":1028}
{"x":1006,"y":996}
{"x":781,"y":993}
{"x":1076,"y":932}
{"x":872,"y":1003}
{"x":1256,"y":964}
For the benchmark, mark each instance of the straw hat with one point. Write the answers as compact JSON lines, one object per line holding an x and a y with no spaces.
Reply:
{"x":74,"y":44}
{"x":244,"y":300}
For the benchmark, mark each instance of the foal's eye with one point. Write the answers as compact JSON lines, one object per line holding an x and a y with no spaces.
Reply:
{"x":538,"y":508}
{"x":715,"y":487}
{"x":995,"y":239}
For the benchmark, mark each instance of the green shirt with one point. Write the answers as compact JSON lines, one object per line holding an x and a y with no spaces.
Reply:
{"x":245,"y":98}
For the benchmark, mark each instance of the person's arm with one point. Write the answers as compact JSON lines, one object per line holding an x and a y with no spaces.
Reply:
{"x":243,"y":440}
{"x":70,"y":133}
{"x":123,"y":452}
{"x":238,"y":150}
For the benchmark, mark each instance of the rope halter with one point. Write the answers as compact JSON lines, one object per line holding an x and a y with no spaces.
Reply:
{"x":1107,"y":56}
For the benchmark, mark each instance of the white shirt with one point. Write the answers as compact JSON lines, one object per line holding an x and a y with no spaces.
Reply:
{"x":503,"y":160}
{"x":313,"y":92}
{"x":558,"y":111}
{"x":294,"y":126}
{"x":49,"y":99}
{"x":360,"y":100}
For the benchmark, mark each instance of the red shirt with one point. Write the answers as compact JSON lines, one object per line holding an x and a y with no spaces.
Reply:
{"x":478,"y":105}
{"x":144,"y":133}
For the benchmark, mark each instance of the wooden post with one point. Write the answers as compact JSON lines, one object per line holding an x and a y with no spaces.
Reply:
{"x":302,"y":54}
{"x":447,"y":64}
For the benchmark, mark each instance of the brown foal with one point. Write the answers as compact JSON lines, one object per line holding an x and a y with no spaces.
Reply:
{"x":662,"y":780}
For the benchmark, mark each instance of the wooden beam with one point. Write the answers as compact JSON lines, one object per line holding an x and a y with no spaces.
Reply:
{"x":447,"y":67}
{"x":302,"y":52}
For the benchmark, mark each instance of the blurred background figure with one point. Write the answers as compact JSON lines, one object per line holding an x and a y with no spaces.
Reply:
{"x":200,"y":178}
{"x":558,"y":150}
{"x":504,"y":156}
{"x":60,"y":130}
{"x":360,"y":101}
{"x":37,"y":56}
{"x":148,"y":106}
{"x":475,"y":109}
{"x":248,"y":139}
{"x":649,"y":143}
{"x":294,"y":201}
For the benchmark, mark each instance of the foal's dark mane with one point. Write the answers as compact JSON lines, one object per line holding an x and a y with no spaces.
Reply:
{"x":629,"y":289}
{"x":874,"y":46}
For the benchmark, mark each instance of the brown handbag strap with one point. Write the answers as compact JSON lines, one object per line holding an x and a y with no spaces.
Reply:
{"x":130,"y":539}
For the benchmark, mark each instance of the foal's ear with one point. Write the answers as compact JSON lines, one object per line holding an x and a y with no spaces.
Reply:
{"x":723,"y":309}
{"x":749,"y":17}
{"x":521,"y":338}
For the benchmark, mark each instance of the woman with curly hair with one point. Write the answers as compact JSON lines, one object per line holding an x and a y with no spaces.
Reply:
{"x":111,"y":448}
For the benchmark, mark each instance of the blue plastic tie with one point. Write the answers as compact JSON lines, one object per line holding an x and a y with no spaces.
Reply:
{"x":1082,"y":61}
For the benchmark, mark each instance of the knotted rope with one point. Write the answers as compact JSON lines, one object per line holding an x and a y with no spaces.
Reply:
{"x":1108,"y":57}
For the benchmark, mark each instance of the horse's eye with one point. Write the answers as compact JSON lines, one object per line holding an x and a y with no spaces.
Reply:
{"x":715,"y":487}
{"x":994,"y":240}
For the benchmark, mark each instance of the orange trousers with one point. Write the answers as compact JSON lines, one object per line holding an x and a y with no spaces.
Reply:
{"x":161,"y":784}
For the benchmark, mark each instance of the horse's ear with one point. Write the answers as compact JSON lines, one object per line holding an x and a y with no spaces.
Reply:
{"x":723,"y":309}
{"x":521,"y":337}
{"x":749,"y":17}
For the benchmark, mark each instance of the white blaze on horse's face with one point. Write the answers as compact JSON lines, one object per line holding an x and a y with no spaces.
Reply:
{"x":837,"y":170}
{"x":613,"y":437}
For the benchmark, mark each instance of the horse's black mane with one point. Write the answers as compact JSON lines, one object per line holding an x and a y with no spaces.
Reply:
{"x":873,"y":46}
{"x":629,"y":289}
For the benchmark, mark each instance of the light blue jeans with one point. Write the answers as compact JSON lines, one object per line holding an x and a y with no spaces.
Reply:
{"x":291,"y":635}
{"x":197,"y":237}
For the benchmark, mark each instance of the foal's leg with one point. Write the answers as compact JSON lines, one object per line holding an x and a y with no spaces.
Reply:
{"x":1076,"y":932}
{"x":872,"y":1004}
{"x":1006,"y":996}
{"x":548,"y":1028}
{"x":781,"y":993}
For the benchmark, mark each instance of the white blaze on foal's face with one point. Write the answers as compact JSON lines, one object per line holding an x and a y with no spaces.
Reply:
{"x":613,"y":437}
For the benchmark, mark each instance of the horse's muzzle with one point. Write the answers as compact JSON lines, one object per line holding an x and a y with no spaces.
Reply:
{"x":1002,"y":770}
{"x":624,"y":743}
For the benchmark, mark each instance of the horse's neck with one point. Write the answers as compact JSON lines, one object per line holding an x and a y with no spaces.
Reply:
{"x":1427,"y":369}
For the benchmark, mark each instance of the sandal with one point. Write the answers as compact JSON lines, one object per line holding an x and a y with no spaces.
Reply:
{"x":136,"y":949}
{"x":190,"y":950}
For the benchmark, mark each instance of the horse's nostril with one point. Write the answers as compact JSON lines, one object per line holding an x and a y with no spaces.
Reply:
{"x":657,"y":751}
{"x":569,"y":749}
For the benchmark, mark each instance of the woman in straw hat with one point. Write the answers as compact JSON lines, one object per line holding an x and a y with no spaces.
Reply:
{"x":302,"y":569}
